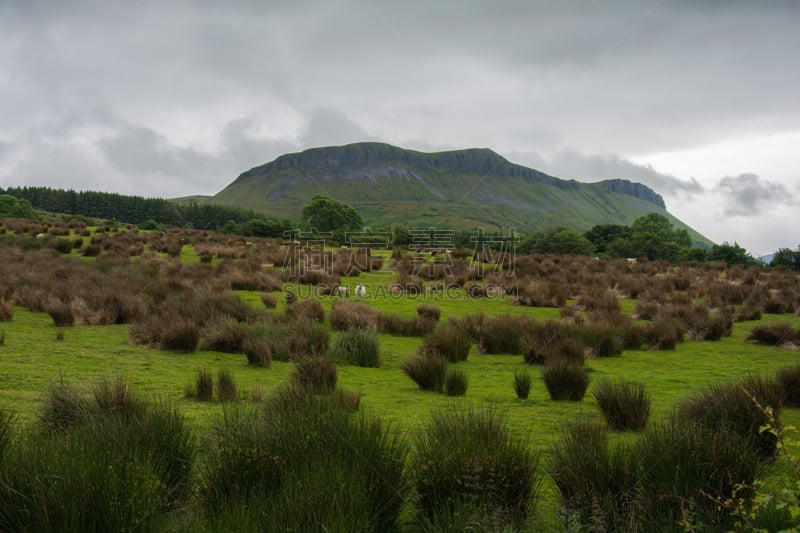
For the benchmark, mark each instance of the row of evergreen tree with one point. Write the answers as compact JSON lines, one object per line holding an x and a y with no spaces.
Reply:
{"x":148,"y":212}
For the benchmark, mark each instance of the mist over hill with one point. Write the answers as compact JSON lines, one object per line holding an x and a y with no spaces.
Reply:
{"x":457,"y":189}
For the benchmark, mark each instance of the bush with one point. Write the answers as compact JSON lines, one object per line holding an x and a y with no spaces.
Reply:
{"x":258,"y":351}
{"x":503,"y":334}
{"x":358,"y":347}
{"x":429,"y":372}
{"x":103,"y":473}
{"x":225,"y":335}
{"x":565,"y":381}
{"x":306,"y":309}
{"x":227,"y":390}
{"x":429,"y":311}
{"x":789,"y":380}
{"x":408,"y":327}
{"x":315,"y":375}
{"x":117,"y":398}
{"x":686,"y":465}
{"x":774,"y":334}
{"x":604,"y":340}
{"x":270,"y":301}
{"x":552,"y":342}
{"x":348,"y":315}
{"x":522,"y":384}
{"x":61,"y":312}
{"x":448,"y":341}
{"x":665,"y":334}
{"x":64,"y":406}
{"x":737,"y":407}
{"x":62,"y":246}
{"x":180,"y":335}
{"x":303,"y":463}
{"x":456,"y":383}
{"x":625,"y":405}
{"x":467,"y":460}
{"x":204,"y":388}
{"x":597,"y":484}
{"x":6,"y":311}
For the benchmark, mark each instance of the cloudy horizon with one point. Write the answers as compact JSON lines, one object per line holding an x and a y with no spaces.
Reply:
{"x":696,"y":99}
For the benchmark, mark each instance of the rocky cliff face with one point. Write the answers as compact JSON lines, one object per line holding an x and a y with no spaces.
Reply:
{"x":636,"y":190}
{"x":341,"y":161}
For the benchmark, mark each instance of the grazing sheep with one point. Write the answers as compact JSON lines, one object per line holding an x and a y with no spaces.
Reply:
{"x":342,"y":292}
{"x":361,"y":291}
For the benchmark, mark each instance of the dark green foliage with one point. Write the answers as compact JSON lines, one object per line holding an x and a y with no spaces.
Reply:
{"x":64,"y":406}
{"x":448,"y":341}
{"x":522,"y":384}
{"x":466,"y":460}
{"x":739,"y":407}
{"x":323,"y":213}
{"x":227,"y":389}
{"x":556,"y":240}
{"x":774,"y":334}
{"x":597,"y":483}
{"x":789,"y":380}
{"x":204,"y":387}
{"x":625,"y":405}
{"x":787,"y":258}
{"x":105,"y":470}
{"x":303,"y":463}
{"x":359,"y":347}
{"x":117,"y":398}
{"x":565,"y":381}
{"x":427,"y":371}
{"x":456,"y":382}
{"x":684,"y":464}
{"x":417,"y":326}
{"x":6,"y":433}
{"x":315,"y":375}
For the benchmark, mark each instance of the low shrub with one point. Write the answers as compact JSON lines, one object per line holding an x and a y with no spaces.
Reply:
{"x":634,"y":336}
{"x":204,"y":385}
{"x":117,"y":398}
{"x":62,"y":246}
{"x":774,"y":334}
{"x":417,"y":326}
{"x":789,"y":380}
{"x":225,"y":335}
{"x":227,"y":389}
{"x":303,"y":463}
{"x":64,"y":406}
{"x":429,"y":372}
{"x":597,"y":484}
{"x":552,"y":342}
{"x":358,"y":347}
{"x":306,"y":309}
{"x":467,"y":465}
{"x":60,"y":311}
{"x":665,"y":333}
{"x":603,"y":340}
{"x":565,"y":381}
{"x":739,"y":407}
{"x":180,"y":335}
{"x":6,"y":311}
{"x":625,"y":405}
{"x":522,"y":384}
{"x":687,"y":465}
{"x":315,"y":375}
{"x":456,"y":382}
{"x":270,"y":301}
{"x":448,"y":341}
{"x":258,"y":351}
{"x":429,"y":311}
{"x":348,"y":315}
{"x":504,"y":334}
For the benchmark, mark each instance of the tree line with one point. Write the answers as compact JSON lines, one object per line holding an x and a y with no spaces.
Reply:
{"x":148,"y":213}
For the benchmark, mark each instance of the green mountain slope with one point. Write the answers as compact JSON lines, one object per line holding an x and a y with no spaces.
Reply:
{"x":455,"y":189}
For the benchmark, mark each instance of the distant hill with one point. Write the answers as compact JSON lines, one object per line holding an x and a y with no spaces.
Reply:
{"x":457,"y":189}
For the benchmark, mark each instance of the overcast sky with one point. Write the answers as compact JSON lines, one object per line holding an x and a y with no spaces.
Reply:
{"x":696,"y":98}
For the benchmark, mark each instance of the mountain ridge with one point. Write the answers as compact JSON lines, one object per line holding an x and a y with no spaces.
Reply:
{"x":465,"y":188}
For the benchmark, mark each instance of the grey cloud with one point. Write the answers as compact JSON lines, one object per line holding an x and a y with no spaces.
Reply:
{"x":330,"y":127}
{"x":748,"y":194}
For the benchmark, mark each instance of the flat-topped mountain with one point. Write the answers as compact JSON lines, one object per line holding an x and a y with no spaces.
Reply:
{"x":455,"y":189}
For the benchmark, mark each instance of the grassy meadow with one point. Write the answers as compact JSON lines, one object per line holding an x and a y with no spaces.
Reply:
{"x":169,"y":277}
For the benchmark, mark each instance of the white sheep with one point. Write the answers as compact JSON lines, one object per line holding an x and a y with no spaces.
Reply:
{"x":361,"y":291}
{"x":342,"y":292}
